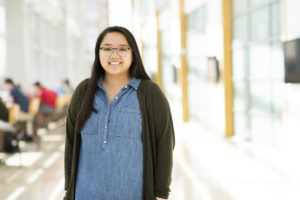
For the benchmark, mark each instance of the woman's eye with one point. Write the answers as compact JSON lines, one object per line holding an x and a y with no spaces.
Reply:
{"x":123,"y":49}
{"x":107,"y":49}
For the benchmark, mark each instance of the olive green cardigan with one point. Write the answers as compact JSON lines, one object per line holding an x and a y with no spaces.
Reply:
{"x":158,"y":141}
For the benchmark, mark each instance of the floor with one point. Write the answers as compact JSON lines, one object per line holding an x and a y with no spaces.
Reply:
{"x":37,"y":172}
{"x":206,"y":167}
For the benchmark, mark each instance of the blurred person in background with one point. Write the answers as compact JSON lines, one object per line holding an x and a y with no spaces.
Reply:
{"x":17,"y":96}
{"x":120,"y":136}
{"x":65,"y":88}
{"x":47,"y":97}
{"x":47,"y":109}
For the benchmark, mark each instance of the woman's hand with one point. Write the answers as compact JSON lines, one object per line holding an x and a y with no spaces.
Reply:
{"x":157,"y":198}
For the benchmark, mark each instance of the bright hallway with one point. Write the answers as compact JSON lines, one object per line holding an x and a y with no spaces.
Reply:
{"x":230,"y":70}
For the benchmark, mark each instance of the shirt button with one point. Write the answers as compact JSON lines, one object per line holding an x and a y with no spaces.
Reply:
{"x":116,"y":97}
{"x":105,"y":126}
{"x":104,"y":142}
{"x":126,"y":86}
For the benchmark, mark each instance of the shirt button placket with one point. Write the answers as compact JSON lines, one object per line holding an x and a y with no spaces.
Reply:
{"x":105,"y":134}
{"x":105,"y":129}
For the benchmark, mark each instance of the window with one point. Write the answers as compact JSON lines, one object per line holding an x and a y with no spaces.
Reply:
{"x":258,"y":69}
{"x":275,"y":25}
{"x":255,"y":3}
{"x":260,"y":24}
{"x":259,"y":60}
{"x":240,"y":6}
{"x":197,"y":65}
{"x":240,"y":31}
{"x":240,"y":63}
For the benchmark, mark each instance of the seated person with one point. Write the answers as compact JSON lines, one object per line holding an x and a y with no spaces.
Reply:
{"x":47,"y":111}
{"x":47,"y":96}
{"x":65,"y":88}
{"x":17,"y":96}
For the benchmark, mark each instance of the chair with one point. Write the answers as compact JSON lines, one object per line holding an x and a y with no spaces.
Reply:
{"x":68,"y":98}
{"x":34,"y":106}
{"x":59,"y":102}
{"x":14,"y":112}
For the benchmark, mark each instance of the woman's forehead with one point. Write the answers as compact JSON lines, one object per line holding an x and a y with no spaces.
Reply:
{"x":114,"y":38}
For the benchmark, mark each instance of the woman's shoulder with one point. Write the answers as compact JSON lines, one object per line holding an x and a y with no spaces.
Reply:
{"x":151,"y":92}
{"x":84,"y":82}
{"x":149,"y":88}
{"x":149,"y":85}
{"x":79,"y":92}
{"x":82,"y":85}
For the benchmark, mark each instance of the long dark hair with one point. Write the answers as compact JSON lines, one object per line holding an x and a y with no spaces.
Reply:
{"x":136,"y":70}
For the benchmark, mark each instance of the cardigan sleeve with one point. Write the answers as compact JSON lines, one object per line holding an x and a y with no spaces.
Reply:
{"x":70,"y":131}
{"x":165,"y":142}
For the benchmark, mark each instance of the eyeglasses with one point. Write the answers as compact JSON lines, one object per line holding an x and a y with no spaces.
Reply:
{"x":108,"y":51}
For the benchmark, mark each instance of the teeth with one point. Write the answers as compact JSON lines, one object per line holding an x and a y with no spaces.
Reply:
{"x":114,"y":63}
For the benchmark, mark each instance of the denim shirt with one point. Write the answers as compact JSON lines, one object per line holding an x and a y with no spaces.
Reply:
{"x":111,"y":153}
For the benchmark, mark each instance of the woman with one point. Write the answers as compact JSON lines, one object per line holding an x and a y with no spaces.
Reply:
{"x":120,"y":135}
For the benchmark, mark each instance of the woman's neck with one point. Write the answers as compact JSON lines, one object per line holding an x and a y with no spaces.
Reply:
{"x":116,"y":81}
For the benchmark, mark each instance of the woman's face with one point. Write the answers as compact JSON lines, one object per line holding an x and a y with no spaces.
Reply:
{"x":115,"y":54}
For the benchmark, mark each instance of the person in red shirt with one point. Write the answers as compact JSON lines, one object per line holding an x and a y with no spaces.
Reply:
{"x":47,"y":110}
{"x":47,"y":96}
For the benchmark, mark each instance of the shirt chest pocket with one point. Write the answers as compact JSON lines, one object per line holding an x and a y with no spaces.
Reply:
{"x":91,"y":125}
{"x":128,"y":124}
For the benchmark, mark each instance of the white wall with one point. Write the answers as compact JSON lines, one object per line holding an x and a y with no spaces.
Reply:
{"x":2,"y":38}
{"x":15,"y":65}
{"x":290,"y":19}
{"x":120,"y":13}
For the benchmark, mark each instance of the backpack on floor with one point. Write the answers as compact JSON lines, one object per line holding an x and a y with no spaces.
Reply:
{"x":10,"y":143}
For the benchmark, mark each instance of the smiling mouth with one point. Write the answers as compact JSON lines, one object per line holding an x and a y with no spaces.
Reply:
{"x":114,"y":63}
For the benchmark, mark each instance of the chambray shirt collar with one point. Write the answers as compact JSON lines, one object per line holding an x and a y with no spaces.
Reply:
{"x":134,"y":83}
{"x":100,"y":82}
